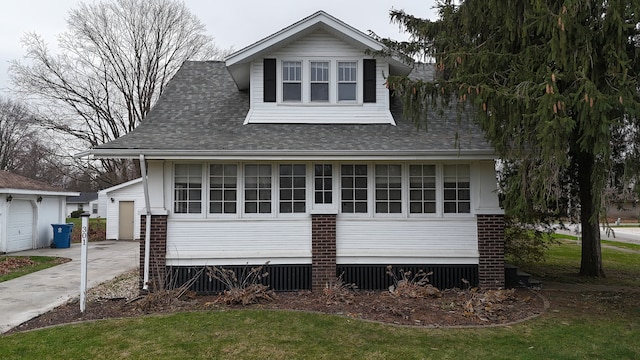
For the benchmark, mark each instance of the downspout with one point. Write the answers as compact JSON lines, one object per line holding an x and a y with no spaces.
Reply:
{"x":147,"y":228}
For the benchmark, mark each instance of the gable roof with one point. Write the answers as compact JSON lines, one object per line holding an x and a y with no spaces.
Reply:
{"x":239,"y":61}
{"x":84,"y":198}
{"x":120,"y":186}
{"x":201,"y":114}
{"x":11,"y":183}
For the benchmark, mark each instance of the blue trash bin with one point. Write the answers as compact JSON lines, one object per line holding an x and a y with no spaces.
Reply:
{"x":62,"y":235}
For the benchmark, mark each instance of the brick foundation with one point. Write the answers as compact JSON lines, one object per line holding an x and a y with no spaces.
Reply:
{"x":158,"y":253}
{"x":491,"y":249}
{"x":323,"y":250}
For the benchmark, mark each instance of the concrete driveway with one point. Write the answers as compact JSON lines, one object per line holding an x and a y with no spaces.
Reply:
{"x":34,"y":294}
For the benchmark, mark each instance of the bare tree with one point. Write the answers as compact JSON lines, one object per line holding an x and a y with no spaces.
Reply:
{"x":16,"y":128}
{"x":114,"y":62}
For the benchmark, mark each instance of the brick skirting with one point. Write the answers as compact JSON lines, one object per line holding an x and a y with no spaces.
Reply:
{"x":491,"y":249}
{"x":158,"y":254}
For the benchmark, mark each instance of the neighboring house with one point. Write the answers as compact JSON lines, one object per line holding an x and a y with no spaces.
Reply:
{"x":122,"y":205}
{"x":292,"y":151}
{"x":86,"y":201}
{"x":27,"y":210}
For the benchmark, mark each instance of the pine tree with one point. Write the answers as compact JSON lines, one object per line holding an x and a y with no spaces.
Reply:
{"x":553,"y":84}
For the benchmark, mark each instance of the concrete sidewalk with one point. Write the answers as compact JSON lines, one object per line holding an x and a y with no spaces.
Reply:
{"x":628,"y":234}
{"x":28,"y":296}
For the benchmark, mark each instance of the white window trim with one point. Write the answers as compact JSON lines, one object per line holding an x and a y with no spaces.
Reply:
{"x":306,"y":82}
{"x":310,"y":206}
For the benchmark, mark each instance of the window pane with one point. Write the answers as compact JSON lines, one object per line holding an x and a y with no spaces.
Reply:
{"x":422,"y":187}
{"x":257,"y":188}
{"x":223,"y":182}
{"x":347,"y":92}
{"x":187,"y":188}
{"x":320,"y":92}
{"x":291,"y":92}
{"x":292,"y":187}
{"x":354,"y":188}
{"x":388,"y":193}
{"x":457,"y":191}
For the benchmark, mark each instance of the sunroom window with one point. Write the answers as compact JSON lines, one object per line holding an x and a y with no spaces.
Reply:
{"x":257,"y":188}
{"x":223,"y":179}
{"x":291,"y":81}
{"x":354,"y":188}
{"x":293,"y":188}
{"x":422,"y":189}
{"x":388,"y":189}
{"x":457,"y":191}
{"x":188,"y":189}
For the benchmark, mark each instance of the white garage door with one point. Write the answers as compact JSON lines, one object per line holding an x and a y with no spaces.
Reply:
{"x":20,"y":226}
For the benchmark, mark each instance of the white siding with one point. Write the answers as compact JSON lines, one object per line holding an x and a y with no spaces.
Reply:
{"x":319,"y":46}
{"x":238,"y":242}
{"x":133,"y":193}
{"x":386,"y":241}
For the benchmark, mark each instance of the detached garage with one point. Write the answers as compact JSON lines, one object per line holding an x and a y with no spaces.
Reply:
{"x":27,"y":210}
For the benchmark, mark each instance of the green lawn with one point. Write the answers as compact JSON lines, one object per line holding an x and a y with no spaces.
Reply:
{"x":254,"y":334}
{"x":563,"y":263}
{"x":38,"y":263}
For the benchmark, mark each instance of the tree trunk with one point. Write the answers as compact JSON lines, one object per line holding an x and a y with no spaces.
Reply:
{"x":591,"y":263}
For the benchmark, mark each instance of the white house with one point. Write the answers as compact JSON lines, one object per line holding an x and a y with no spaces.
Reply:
{"x":27,"y":210}
{"x":121,"y":206}
{"x":293,"y":151}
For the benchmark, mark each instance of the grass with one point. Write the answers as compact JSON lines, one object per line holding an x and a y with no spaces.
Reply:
{"x":621,"y":263}
{"x":256,"y":334}
{"x":599,"y":325}
{"x":40,"y":263}
{"x":97,"y":229}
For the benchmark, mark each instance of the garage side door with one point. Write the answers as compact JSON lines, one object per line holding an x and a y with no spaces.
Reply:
{"x":20,"y":226}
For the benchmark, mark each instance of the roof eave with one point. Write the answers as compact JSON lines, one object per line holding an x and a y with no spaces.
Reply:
{"x":154,"y":154}
{"x":38,"y":192}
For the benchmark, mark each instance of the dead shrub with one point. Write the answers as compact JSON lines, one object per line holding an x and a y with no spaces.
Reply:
{"x":409,"y":285}
{"x":338,"y":291}
{"x":164,"y":292}
{"x":486,"y":305}
{"x":244,"y":289}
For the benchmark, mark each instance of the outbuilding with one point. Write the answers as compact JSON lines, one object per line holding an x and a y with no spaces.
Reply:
{"x":122,"y":205}
{"x":27,"y":210}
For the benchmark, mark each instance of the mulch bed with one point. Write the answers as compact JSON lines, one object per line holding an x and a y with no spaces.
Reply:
{"x":449,"y":308}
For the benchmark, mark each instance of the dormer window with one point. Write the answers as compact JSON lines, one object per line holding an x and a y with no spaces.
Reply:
{"x":292,"y":81}
{"x":319,"y":81}
{"x":347,"y":80}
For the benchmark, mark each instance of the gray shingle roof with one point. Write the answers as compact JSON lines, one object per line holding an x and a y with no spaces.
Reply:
{"x":202,"y":110}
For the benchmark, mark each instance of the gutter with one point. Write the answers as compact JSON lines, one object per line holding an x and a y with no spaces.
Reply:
{"x":327,"y":155}
{"x":147,"y":229}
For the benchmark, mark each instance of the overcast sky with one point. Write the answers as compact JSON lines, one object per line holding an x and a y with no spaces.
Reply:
{"x":235,"y":23}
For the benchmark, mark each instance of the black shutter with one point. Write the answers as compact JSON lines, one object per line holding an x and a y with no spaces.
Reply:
{"x":369,"y":83}
{"x":269,"y":76}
